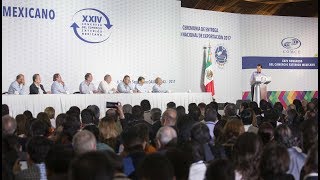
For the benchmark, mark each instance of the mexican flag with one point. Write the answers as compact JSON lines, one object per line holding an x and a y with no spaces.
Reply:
{"x":208,"y":73}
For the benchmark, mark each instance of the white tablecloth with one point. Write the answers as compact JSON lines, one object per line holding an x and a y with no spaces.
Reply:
{"x":61,"y":103}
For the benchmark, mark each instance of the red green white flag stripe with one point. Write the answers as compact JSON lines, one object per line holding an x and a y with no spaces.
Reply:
{"x":208,"y":73}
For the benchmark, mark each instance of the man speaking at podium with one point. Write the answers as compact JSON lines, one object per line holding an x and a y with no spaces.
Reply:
{"x":253,"y":76}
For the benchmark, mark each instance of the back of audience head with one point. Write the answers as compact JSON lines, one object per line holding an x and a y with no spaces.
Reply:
{"x":132,"y":142}
{"x":96,"y":111}
{"x":107,"y":127}
{"x":233,"y":129}
{"x":91,"y":165}
{"x":218,"y":131}
{"x":39,"y":128}
{"x":171,"y":105}
{"x":283,"y":135}
{"x":50,"y":112}
{"x":271,"y":116}
{"x":184,"y":125}
{"x":21,"y":124}
{"x":87,"y":117}
{"x":244,"y":105}
{"x":143,"y":131}
{"x":309,"y":131}
{"x":84,"y":141}
{"x":115,"y":160}
{"x":266,"y":132}
{"x":200,"y":138}
{"x":195,"y":113}
{"x":5,"y":109}
{"x":181,"y":111}
{"x":127,"y":108}
{"x":148,"y":169}
{"x":58,"y":159}
{"x":230,"y":110}
{"x":169,"y":117}
{"x":264,"y":105}
{"x":191,"y":106}
{"x":202,"y":107}
{"x":311,"y":163}
{"x":246,"y":155}
{"x":164,"y":136}
{"x":181,"y":162}
{"x":42,"y":116}
{"x":221,"y":169}
{"x":246,"y":116}
{"x":61,"y":118}
{"x":145,"y":105}
{"x":278,"y":107}
{"x":9,"y":125}
{"x":38,"y":148}
{"x":137,"y":112}
{"x":274,"y":161}
{"x":210,"y":114}
{"x":28,"y":114}
{"x":94,"y":130}
{"x":155,"y":114}
{"x":70,"y":127}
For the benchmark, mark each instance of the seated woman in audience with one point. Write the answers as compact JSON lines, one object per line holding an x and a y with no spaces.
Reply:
{"x":310,"y":169}
{"x":109,"y":132}
{"x":21,"y":125}
{"x":274,"y":163}
{"x":144,"y":130}
{"x":249,"y":120}
{"x":266,"y":133}
{"x":246,"y":156}
{"x":42,"y":116}
{"x":221,"y":169}
{"x":232,"y":130}
{"x":202,"y":151}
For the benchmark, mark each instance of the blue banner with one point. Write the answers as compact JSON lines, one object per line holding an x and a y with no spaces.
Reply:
{"x":250,"y":62}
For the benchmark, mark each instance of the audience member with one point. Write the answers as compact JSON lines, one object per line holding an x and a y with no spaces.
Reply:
{"x":51,"y":113}
{"x":211,"y":120}
{"x":21,"y":130}
{"x":84,"y":141}
{"x":146,"y":107}
{"x":9,"y":125}
{"x":91,"y":165}
{"x":169,"y":117}
{"x":266,"y":133}
{"x":283,"y":136}
{"x":171,"y":105}
{"x":37,"y":149}
{"x":221,"y":169}
{"x":165,"y":137}
{"x":246,"y":156}
{"x":274,"y":163}
{"x":57,"y":162}
{"x":148,"y":169}
{"x":5,"y":110}
{"x":100,"y":146}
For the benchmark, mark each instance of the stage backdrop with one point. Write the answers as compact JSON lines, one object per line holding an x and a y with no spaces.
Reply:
{"x":287,"y":49}
{"x":73,"y":37}
{"x":158,"y":38}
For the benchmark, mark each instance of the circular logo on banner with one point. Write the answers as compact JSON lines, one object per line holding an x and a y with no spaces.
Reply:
{"x":291,"y":43}
{"x":221,"y":55}
{"x":91,"y":25}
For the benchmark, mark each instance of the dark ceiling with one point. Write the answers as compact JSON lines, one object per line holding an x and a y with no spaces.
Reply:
{"x":300,"y":8}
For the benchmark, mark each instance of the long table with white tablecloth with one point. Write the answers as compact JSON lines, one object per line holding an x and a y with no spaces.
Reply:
{"x":62,"y":102}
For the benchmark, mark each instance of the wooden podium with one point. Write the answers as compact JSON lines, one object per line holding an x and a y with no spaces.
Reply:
{"x":260,"y":87}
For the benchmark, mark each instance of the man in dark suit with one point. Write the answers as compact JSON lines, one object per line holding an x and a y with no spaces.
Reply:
{"x":36,"y":87}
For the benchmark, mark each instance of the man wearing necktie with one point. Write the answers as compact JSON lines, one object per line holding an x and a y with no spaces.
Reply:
{"x":253,"y":76}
